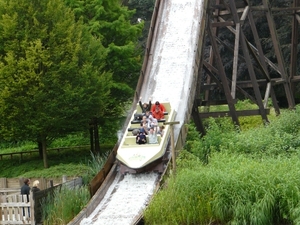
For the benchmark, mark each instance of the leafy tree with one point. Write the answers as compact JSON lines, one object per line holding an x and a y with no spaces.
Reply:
{"x":144,"y":11}
{"x":109,"y":21}
{"x":52,"y":79}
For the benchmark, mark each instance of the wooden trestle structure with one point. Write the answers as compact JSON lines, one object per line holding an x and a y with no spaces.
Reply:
{"x":233,"y":15}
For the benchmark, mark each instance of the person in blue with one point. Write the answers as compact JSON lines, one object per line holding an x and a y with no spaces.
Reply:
{"x":141,"y":138}
{"x":25,"y":190}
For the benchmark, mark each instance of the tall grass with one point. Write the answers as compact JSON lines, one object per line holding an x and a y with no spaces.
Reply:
{"x":95,"y":164}
{"x":231,"y":176}
{"x":64,"y":205}
{"x":231,"y":189}
{"x":67,"y":203}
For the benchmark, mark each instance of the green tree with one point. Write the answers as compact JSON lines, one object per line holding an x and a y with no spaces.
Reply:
{"x":109,"y":21}
{"x":52,"y":79}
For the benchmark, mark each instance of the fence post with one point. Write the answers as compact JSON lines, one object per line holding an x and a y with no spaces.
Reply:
{"x":32,"y":219}
{"x":51,"y":183}
{"x":64,"y":178}
{"x":43,"y":183}
{"x":1,"y":207}
{"x":21,"y":181}
{"x":3,"y":182}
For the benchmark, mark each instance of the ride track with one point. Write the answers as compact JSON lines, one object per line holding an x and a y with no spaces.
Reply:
{"x":169,"y":74}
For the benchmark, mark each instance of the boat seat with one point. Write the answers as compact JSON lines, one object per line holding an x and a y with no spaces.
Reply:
{"x":141,"y":114}
{"x":139,"y":121}
{"x":131,"y":140}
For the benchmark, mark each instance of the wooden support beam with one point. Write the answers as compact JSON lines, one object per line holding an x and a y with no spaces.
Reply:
{"x":209,"y":67}
{"x":197,"y":119}
{"x":222,"y":75}
{"x":294,"y":45}
{"x":235,"y":59}
{"x":278,"y":53}
{"x":211,"y":53}
{"x":251,"y":112}
{"x":245,"y":14}
{"x":215,"y":102}
{"x":272,"y":65}
{"x":222,"y":24}
{"x":173,"y":143}
{"x":263,"y":64}
{"x":274,"y":9}
{"x":249,"y":65}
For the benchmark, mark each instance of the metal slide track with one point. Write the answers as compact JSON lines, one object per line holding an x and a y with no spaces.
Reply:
{"x":169,"y":74}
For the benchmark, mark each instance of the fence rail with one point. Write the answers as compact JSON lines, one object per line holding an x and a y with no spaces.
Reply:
{"x":11,"y":154}
{"x":12,"y":185}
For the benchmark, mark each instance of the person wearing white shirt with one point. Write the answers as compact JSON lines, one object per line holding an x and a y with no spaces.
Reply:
{"x":152,"y":136}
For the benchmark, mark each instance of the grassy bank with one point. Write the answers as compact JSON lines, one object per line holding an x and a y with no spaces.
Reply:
{"x":233,"y":176}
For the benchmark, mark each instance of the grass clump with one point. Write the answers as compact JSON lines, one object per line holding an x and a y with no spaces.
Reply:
{"x":64,"y":205}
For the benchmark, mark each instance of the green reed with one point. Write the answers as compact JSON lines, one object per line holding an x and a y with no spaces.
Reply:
{"x":64,"y":205}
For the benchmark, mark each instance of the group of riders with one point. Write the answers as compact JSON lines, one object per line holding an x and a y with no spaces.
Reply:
{"x":149,"y":118}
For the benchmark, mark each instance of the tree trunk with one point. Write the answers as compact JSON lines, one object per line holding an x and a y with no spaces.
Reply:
{"x":92,"y":137}
{"x":96,"y":133}
{"x":45,"y":153}
{"x":40,"y":147}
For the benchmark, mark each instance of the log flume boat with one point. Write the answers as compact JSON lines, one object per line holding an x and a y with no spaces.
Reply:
{"x":135,"y":158}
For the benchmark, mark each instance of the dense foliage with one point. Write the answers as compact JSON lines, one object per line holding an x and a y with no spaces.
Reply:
{"x":51,"y":74}
{"x":111,"y":23}
{"x":235,"y":177}
{"x":63,"y":63}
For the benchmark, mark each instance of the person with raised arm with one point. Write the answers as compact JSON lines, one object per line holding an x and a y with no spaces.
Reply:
{"x":144,"y":107}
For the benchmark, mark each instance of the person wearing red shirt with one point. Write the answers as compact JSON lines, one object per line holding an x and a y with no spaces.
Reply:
{"x":158,"y":111}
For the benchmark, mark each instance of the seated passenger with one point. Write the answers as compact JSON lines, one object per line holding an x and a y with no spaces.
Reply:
{"x":144,"y":127}
{"x":144,"y":119}
{"x":152,"y":136}
{"x":158,"y":111}
{"x":141,"y":138}
{"x":152,"y":122}
{"x":161,"y":130}
{"x":146,"y":106}
{"x":148,"y":113}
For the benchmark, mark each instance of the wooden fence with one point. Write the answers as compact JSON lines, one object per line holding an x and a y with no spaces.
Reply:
{"x":18,"y":209}
{"x":16,"y":183}
{"x":30,"y":152}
